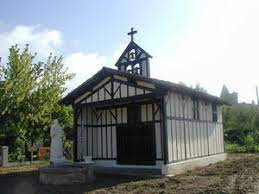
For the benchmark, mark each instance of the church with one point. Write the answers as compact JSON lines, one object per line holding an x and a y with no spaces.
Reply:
{"x":132,"y":123}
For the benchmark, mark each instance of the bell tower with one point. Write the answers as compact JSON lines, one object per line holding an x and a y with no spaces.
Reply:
{"x":134,"y":59}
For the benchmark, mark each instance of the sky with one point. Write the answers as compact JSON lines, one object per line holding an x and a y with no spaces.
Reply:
{"x":204,"y":42}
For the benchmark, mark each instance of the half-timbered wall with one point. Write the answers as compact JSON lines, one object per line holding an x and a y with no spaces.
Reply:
{"x":115,"y":88}
{"x":189,"y":138}
{"x":152,"y":113}
{"x":96,"y":127}
{"x":96,"y":130}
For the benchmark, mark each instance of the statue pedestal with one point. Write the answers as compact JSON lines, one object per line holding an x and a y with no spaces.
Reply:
{"x":59,"y":172}
{"x":67,"y":174}
{"x":58,"y":161}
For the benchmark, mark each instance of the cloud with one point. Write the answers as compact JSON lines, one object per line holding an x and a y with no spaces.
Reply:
{"x":220,"y":45}
{"x":42,"y":41}
{"x":84,"y":65}
{"x":117,"y":53}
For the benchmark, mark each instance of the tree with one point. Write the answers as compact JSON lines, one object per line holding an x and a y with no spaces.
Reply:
{"x":30,"y":93}
{"x":199,"y":88}
{"x":241,"y":124}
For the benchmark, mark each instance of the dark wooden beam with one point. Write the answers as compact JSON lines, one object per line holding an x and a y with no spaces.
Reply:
{"x":165,"y":134}
{"x":151,"y":97}
{"x":76,"y":114}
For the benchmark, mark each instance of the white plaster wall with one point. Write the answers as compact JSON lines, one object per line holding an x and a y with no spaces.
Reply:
{"x":189,"y":138}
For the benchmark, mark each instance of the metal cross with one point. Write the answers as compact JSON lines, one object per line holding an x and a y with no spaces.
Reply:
{"x":131,"y":34}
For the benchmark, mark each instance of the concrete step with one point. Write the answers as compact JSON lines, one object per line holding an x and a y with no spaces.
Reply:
{"x":128,"y":171}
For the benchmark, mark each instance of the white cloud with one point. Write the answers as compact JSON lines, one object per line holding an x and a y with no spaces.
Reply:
{"x":42,"y":41}
{"x":220,"y":46}
{"x":84,"y":65}
{"x":117,"y":53}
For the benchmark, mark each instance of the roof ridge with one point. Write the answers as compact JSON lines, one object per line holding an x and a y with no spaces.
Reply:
{"x":162,"y":83}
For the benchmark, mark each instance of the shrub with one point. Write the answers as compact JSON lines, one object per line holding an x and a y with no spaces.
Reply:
{"x":241,"y":128}
{"x":235,"y":148}
{"x":250,"y":144}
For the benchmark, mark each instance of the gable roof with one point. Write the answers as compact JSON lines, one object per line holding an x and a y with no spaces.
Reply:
{"x":163,"y":85}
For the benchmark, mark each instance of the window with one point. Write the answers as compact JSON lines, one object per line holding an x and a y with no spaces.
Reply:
{"x":214,"y":113}
{"x":195,"y":107}
{"x":132,"y":55}
{"x":129,"y":69}
{"x":136,"y":69}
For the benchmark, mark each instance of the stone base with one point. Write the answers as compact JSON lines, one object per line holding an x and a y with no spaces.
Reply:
{"x":57,"y":160}
{"x":181,"y":167}
{"x":67,"y":174}
{"x":4,"y":156}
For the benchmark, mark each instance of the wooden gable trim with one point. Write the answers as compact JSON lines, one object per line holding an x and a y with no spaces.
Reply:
{"x":133,"y":83}
{"x":160,"y":84}
{"x":151,"y":97}
{"x":91,"y":92}
{"x":100,"y":84}
{"x":80,"y":98}
{"x":146,"y":84}
{"x":145,"y":88}
{"x":120,"y":78}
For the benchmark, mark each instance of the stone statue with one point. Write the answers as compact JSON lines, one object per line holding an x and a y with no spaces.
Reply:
{"x":56,"y":149}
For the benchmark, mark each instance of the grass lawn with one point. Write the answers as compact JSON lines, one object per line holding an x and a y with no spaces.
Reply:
{"x":238,"y":174}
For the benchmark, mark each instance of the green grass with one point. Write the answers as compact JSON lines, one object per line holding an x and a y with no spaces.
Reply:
{"x":235,"y":148}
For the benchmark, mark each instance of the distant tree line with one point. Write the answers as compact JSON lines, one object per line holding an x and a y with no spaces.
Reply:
{"x":30,"y":92}
{"x":241,"y":127}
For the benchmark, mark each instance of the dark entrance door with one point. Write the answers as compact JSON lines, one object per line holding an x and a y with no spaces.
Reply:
{"x":136,"y":140}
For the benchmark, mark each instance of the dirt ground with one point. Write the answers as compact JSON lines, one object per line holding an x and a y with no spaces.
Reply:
{"x":238,"y":174}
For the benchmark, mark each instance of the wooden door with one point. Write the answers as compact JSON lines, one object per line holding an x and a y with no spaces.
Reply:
{"x":136,"y":141}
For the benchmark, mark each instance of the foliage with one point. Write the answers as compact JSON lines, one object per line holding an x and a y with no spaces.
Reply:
{"x":29,"y":96}
{"x":199,"y":88}
{"x":241,"y":127}
{"x":250,"y":144}
{"x":235,"y":148}
{"x":68,"y":149}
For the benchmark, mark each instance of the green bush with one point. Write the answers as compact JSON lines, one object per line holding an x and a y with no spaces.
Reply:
{"x":250,"y":144}
{"x":235,"y":148}
{"x":241,"y":128}
{"x":68,"y":149}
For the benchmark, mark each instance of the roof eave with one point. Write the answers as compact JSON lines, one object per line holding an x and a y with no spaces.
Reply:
{"x":69,"y":99}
